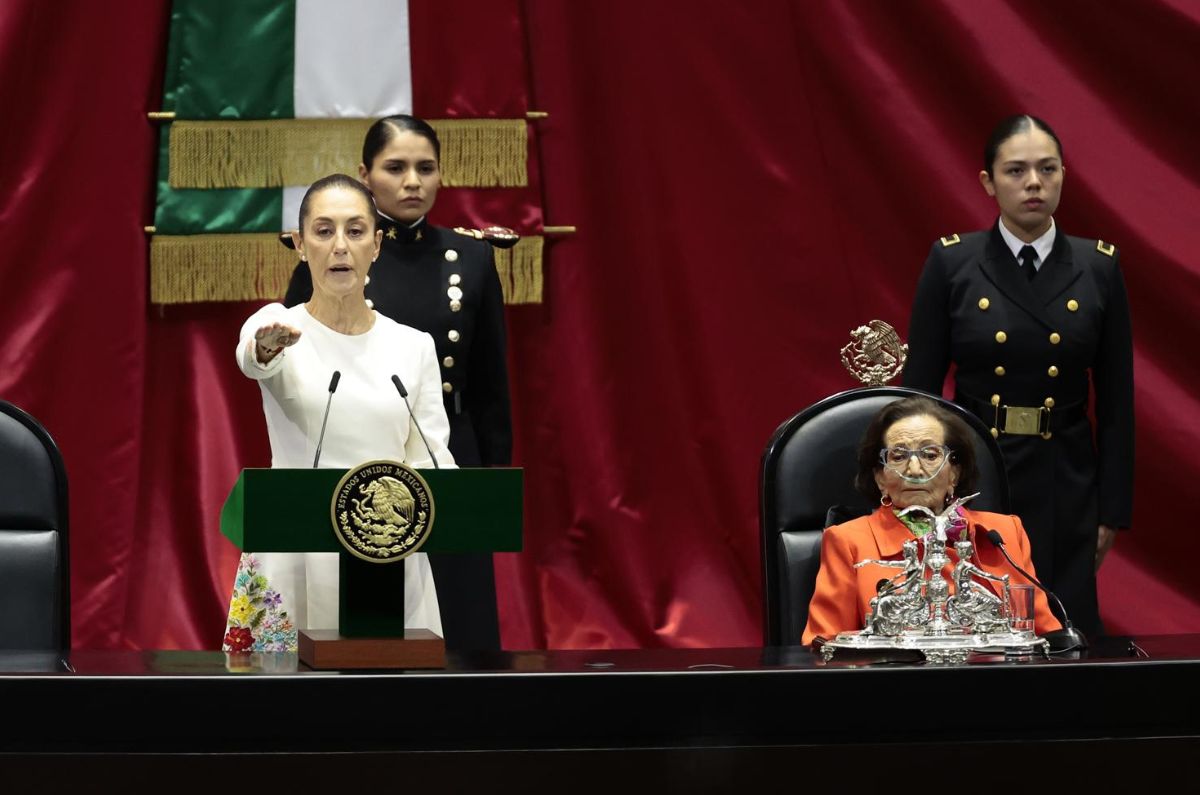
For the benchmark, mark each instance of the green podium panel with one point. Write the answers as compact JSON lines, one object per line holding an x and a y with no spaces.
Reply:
{"x":288,"y":510}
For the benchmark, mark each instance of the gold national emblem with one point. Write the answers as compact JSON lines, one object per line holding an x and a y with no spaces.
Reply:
{"x":875,"y":354}
{"x":382,"y":511}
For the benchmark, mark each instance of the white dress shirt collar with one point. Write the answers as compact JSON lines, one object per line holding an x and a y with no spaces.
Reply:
{"x":1042,"y":245}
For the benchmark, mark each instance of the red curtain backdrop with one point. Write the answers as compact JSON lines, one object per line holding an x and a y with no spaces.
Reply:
{"x":749,"y":184}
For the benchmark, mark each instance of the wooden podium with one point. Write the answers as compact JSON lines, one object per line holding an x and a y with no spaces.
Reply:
{"x":288,"y":510}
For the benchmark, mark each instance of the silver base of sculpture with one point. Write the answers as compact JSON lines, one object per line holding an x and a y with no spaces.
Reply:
{"x":940,"y":649}
{"x":917,"y":610}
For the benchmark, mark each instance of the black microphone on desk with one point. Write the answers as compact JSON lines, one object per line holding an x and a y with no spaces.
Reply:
{"x":333,"y":382}
{"x":404,"y":394}
{"x":1066,"y":639}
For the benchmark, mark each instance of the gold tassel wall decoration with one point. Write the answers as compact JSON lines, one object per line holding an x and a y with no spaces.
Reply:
{"x":483,"y":153}
{"x":476,"y":153}
{"x":188,"y":269}
{"x":244,"y":267}
{"x":520,"y":271}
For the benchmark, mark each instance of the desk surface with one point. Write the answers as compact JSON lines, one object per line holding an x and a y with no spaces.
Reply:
{"x":178,"y":701}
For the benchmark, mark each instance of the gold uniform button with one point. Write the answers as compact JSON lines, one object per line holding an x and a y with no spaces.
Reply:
{"x":451,"y":255}
{"x":1052,"y":372}
{"x":1001,"y":337}
{"x":995,"y":433}
{"x":455,"y":280}
{"x":995,"y":400}
{"x":984,"y":304}
{"x":1049,"y":403}
{"x":1072,"y":305}
{"x":448,"y":361}
{"x":454,"y":293}
{"x":1055,"y":338}
{"x":456,"y":305}
{"x":453,"y":335}
{"x":447,"y":387}
{"x":1000,"y":369}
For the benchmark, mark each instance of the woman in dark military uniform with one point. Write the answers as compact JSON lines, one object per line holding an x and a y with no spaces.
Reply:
{"x":445,"y":284}
{"x":1026,"y":313}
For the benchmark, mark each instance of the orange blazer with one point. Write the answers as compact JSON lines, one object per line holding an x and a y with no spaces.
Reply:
{"x":843,"y":592}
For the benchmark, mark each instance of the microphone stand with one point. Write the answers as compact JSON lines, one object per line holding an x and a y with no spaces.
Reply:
{"x":404,"y":396}
{"x":333,"y":382}
{"x":1061,"y":640}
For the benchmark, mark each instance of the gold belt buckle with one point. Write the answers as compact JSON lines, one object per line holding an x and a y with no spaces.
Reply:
{"x":1023,"y":420}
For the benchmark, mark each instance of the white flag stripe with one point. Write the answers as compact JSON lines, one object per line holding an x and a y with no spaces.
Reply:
{"x":352,"y":59}
{"x":291,"y":206}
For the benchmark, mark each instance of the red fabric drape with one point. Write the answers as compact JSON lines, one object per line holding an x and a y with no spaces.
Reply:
{"x":77,"y":158}
{"x":749,"y":184}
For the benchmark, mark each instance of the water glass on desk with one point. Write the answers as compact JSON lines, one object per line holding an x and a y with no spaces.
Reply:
{"x":1020,"y":607}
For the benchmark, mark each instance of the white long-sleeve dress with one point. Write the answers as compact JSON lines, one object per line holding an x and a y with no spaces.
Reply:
{"x":275,"y":594}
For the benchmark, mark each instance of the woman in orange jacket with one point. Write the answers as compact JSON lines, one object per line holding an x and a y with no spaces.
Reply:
{"x":914,"y":453}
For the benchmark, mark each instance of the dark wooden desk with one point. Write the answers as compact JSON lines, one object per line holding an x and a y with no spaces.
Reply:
{"x":527,"y":711}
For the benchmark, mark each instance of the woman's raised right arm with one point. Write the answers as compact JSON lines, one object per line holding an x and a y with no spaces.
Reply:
{"x":262,"y":341}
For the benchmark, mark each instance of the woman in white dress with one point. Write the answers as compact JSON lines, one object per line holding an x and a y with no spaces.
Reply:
{"x":293,"y":353}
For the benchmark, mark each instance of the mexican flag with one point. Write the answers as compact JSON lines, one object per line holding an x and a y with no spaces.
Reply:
{"x":262,"y":97}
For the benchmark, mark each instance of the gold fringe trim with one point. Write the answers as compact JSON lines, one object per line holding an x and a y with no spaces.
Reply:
{"x":187,"y":269}
{"x":476,"y":153}
{"x":520,"y":270}
{"x":482,"y":153}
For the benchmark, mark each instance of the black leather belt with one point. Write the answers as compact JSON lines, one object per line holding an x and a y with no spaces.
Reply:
{"x":1022,"y":420}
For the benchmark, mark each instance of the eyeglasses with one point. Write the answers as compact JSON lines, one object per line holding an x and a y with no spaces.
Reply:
{"x":931,"y":457}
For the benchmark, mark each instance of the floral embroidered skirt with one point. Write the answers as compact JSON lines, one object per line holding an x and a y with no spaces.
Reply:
{"x":275,"y":594}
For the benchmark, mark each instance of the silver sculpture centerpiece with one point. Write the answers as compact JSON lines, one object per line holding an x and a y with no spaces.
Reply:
{"x":917,"y":610}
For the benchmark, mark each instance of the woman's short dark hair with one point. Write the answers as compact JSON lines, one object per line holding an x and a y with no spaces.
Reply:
{"x":1009,"y":127}
{"x":336,"y":181}
{"x":387,"y":128}
{"x":959,"y":439}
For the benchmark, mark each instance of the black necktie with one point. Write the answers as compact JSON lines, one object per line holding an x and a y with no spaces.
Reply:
{"x":1028,"y":256}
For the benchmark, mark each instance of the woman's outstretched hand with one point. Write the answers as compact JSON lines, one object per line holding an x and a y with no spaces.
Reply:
{"x":273,"y":338}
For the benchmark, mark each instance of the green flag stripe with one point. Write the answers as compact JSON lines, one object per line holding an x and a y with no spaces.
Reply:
{"x":187,"y":211}
{"x":196,"y":212}
{"x":171,"y":70}
{"x":235,"y":59}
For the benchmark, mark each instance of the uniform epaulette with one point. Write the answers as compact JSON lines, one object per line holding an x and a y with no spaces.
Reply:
{"x":498,"y":236}
{"x":1107,"y":249}
{"x":953,"y":240}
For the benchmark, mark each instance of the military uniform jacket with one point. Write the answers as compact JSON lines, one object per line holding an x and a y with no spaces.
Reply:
{"x":1031,"y":344}
{"x":446,"y":284}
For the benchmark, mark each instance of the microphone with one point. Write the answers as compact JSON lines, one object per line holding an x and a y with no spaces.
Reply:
{"x":333,"y":382}
{"x":404,"y":395}
{"x":1066,"y":639}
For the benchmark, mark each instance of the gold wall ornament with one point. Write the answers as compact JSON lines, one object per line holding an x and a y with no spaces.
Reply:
{"x":382,"y":511}
{"x":272,"y":153}
{"x":255,"y":266}
{"x":222,"y":267}
{"x":520,"y":271}
{"x":875,"y":354}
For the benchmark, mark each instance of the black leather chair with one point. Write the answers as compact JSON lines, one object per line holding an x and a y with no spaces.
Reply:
{"x":807,"y":484}
{"x":35,"y":580}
